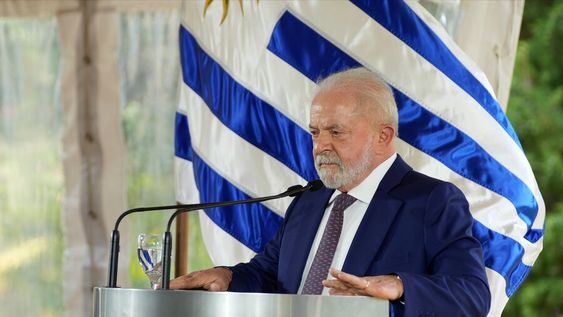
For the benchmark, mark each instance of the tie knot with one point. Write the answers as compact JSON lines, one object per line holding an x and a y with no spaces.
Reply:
{"x":343,"y":201}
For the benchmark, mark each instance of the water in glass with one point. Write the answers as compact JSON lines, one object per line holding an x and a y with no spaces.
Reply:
{"x":150,"y":256}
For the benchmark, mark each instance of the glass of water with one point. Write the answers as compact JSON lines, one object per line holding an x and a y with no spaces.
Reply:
{"x":150,"y":256}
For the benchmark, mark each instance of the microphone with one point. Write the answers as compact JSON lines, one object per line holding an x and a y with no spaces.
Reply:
{"x":167,"y":252}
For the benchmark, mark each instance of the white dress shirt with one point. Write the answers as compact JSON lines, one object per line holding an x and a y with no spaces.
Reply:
{"x":353,"y":216}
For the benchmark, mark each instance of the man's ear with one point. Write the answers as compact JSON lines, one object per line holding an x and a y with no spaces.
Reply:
{"x":386,"y":135}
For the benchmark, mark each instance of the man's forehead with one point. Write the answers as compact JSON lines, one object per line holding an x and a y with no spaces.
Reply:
{"x":333,"y":94}
{"x":337,"y":117}
{"x":326,"y":124}
{"x":333,"y":107}
{"x":336,"y":108}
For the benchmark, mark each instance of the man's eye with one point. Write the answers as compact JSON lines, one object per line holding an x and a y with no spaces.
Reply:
{"x":334,"y":132}
{"x":314,"y":132}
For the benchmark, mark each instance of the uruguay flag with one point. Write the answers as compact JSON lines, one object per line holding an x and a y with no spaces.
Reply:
{"x":241,"y":125}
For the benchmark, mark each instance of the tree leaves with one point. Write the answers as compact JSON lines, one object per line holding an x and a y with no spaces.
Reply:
{"x":536,"y":111}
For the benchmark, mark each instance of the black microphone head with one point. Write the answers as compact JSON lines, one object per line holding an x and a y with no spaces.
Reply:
{"x":315,"y":185}
{"x":294,"y":188}
{"x":298,"y":189}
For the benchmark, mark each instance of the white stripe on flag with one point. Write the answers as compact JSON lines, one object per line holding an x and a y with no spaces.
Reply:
{"x":186,"y":192}
{"x":497,"y":285}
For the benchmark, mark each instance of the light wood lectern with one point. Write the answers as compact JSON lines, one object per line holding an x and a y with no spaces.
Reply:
{"x":146,"y":302}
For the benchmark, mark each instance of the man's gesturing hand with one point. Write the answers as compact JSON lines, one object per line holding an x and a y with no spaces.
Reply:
{"x":216,"y":280}
{"x":388,"y":287}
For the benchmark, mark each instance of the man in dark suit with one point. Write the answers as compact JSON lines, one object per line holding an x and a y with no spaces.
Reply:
{"x":386,"y":231}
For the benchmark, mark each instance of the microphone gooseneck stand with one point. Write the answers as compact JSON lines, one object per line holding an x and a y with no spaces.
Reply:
{"x":114,"y":246}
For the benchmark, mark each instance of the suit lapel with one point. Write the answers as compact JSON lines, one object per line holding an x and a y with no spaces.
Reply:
{"x":379,"y":217}
{"x":304,"y":224}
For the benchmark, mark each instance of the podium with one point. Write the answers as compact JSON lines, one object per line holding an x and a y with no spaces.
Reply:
{"x":188,"y":303}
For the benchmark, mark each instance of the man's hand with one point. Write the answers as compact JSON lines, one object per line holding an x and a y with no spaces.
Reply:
{"x":216,"y":280}
{"x":388,"y":287}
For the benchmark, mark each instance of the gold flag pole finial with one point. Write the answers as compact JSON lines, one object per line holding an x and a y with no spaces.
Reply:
{"x":225,"y":8}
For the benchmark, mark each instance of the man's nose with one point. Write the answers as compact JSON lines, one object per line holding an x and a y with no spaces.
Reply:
{"x":322,"y":142}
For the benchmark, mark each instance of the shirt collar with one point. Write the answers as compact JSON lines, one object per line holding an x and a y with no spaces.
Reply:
{"x":366,"y":189}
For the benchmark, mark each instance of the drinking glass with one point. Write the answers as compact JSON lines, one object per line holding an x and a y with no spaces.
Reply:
{"x":149,"y":252}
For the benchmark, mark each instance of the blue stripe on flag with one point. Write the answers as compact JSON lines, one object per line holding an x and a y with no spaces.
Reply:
{"x":182,"y":141}
{"x":398,"y":18}
{"x":212,"y":187}
{"x":418,"y":127}
{"x":244,"y":113}
{"x":421,"y":129}
{"x":503,"y":255}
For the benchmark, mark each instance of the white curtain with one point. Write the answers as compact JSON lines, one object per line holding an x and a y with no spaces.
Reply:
{"x":31,"y":174}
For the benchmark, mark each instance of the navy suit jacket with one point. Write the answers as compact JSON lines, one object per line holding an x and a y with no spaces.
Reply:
{"x":415,"y":226}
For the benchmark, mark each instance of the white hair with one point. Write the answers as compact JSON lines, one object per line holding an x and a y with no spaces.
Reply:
{"x":368,"y":89}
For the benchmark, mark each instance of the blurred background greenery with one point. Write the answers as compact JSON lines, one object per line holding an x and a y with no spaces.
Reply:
{"x":535,"y":109}
{"x":30,"y":153}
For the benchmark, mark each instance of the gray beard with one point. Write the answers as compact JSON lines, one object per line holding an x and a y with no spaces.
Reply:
{"x":345,"y":175}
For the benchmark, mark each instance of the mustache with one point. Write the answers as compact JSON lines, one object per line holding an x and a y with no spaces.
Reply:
{"x":327,"y":158}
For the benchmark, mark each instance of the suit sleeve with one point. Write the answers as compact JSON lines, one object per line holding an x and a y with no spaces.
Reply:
{"x":260,"y":273}
{"x":456,"y":284}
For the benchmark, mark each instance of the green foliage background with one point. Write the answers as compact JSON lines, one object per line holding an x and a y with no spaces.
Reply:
{"x":535,"y":109}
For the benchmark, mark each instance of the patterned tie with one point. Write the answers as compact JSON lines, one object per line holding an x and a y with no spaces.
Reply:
{"x":329,"y":241}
